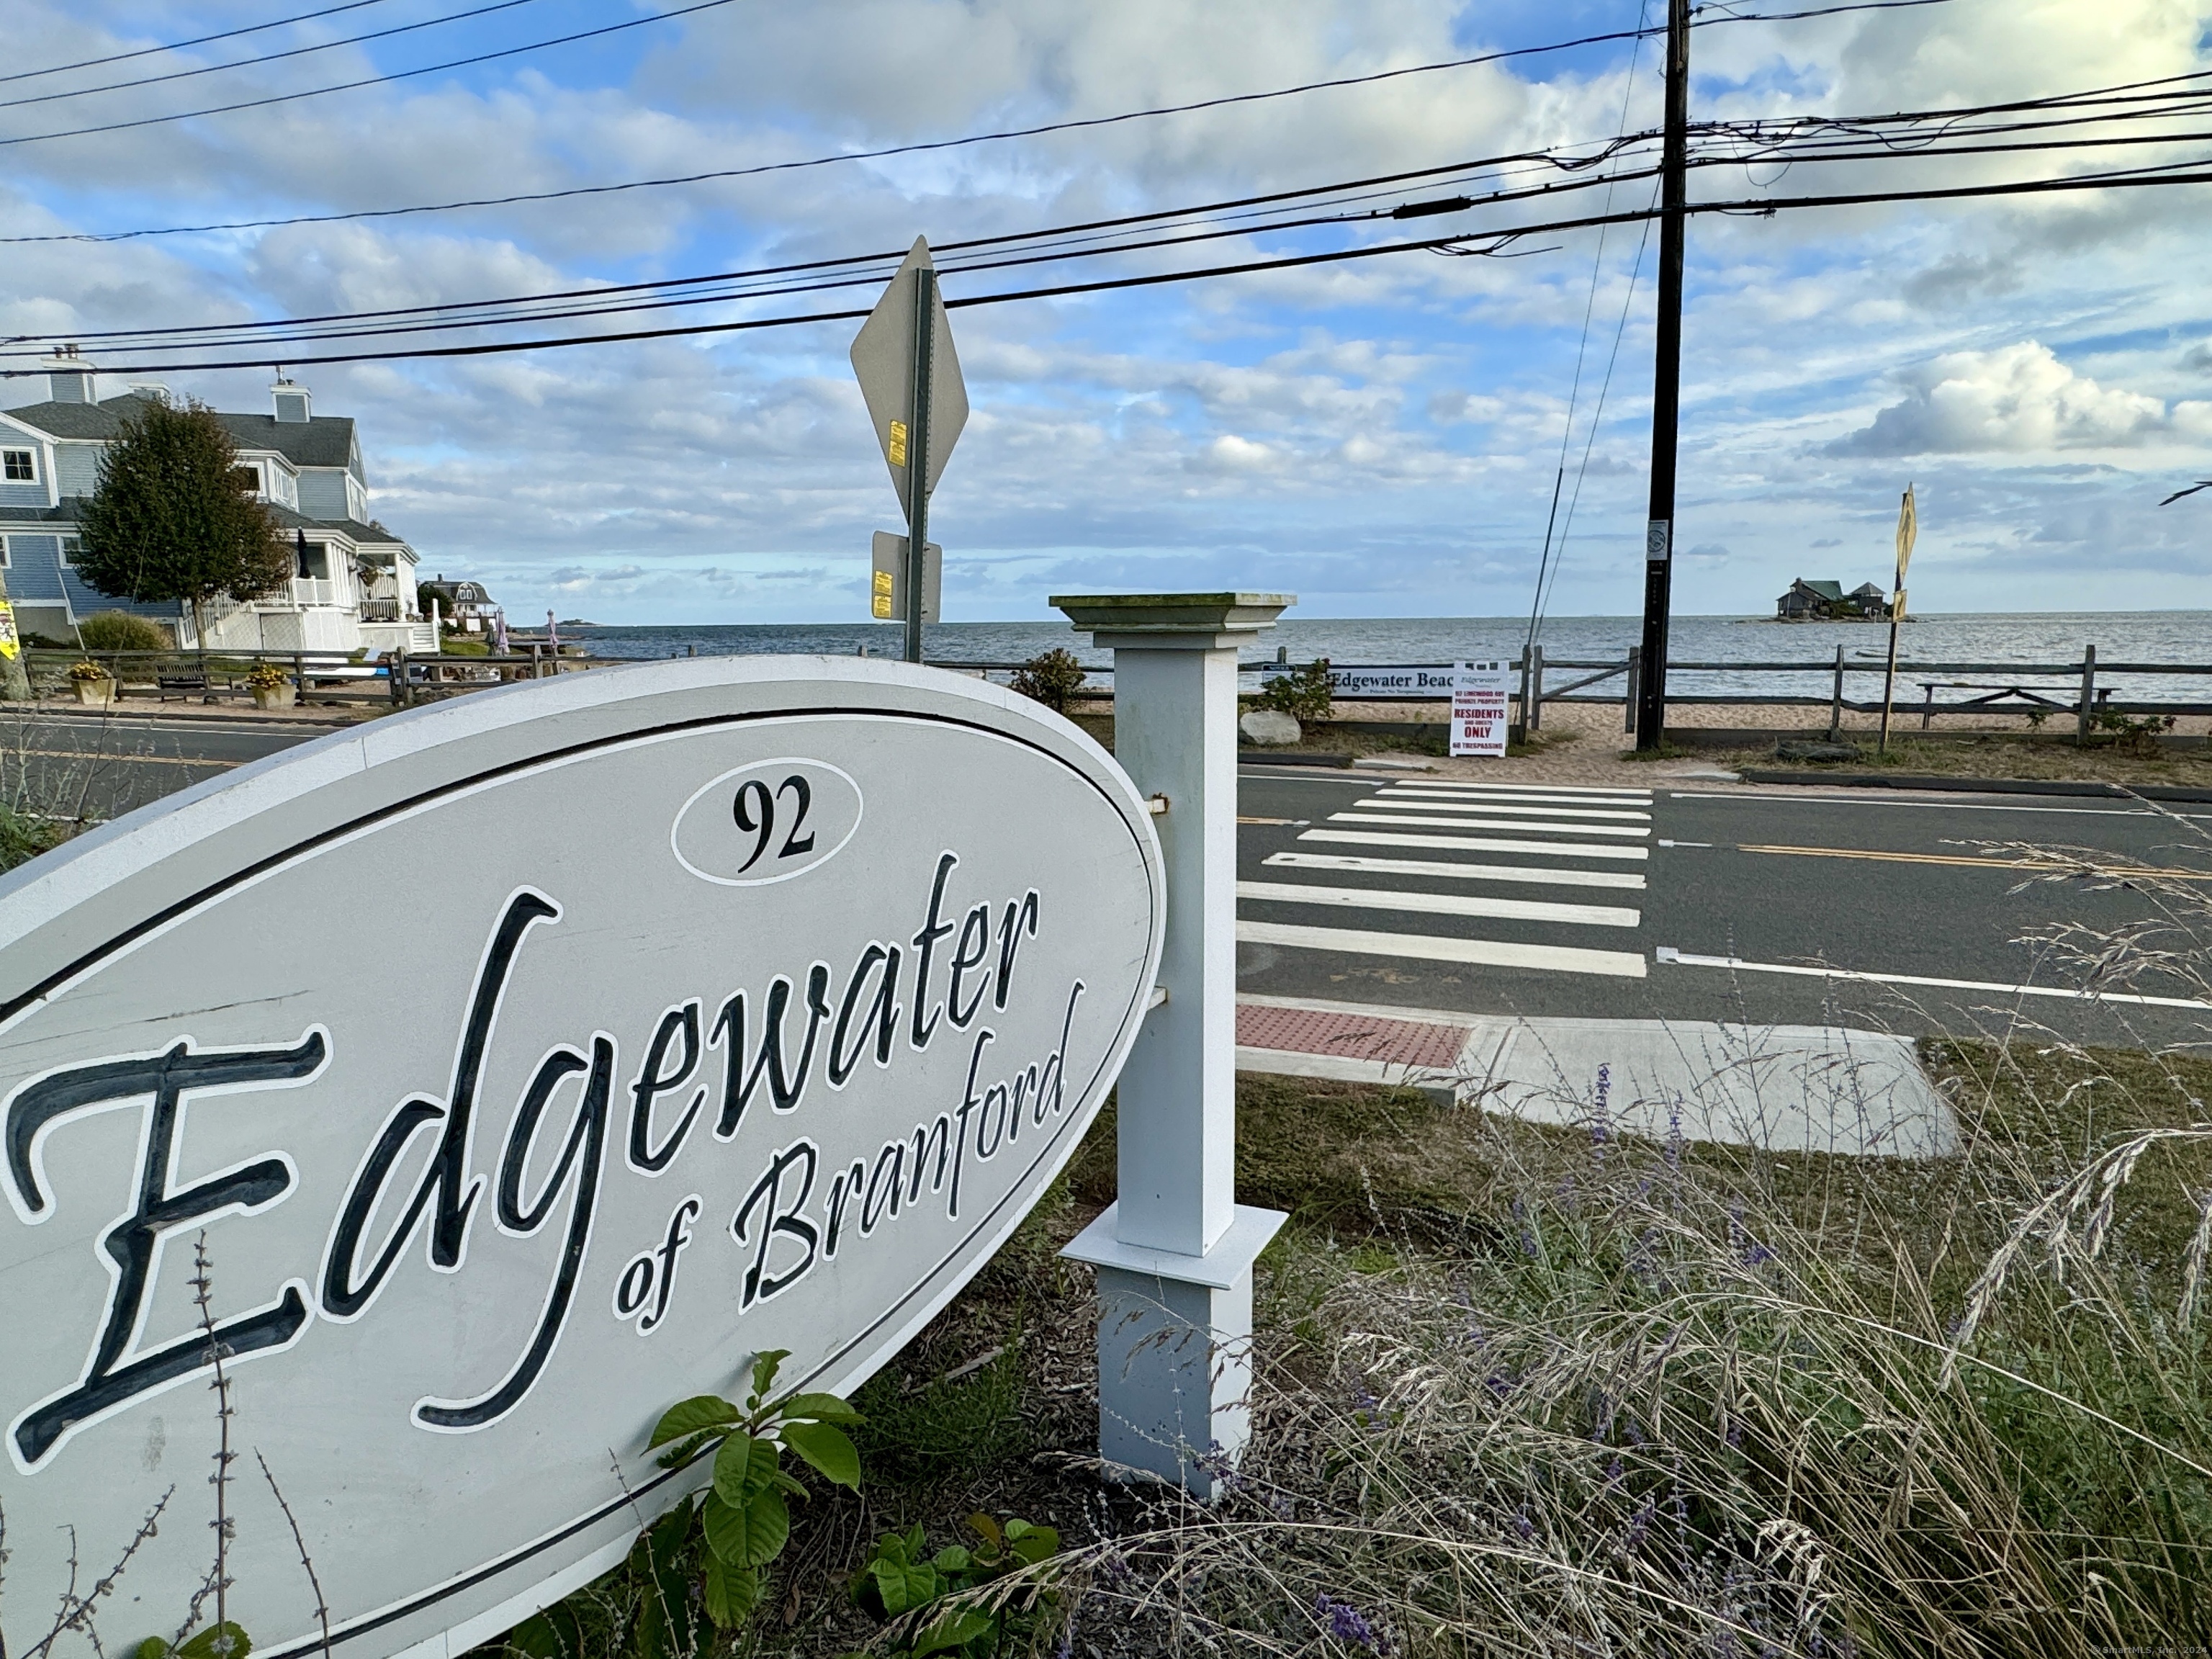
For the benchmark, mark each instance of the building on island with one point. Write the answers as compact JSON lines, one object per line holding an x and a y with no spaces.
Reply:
{"x":1828,"y":602}
{"x":353,"y":583}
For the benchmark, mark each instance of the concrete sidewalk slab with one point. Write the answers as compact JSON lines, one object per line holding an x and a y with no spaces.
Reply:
{"x":1781,"y":1088}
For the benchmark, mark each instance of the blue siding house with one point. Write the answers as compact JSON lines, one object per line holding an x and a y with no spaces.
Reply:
{"x":353,"y":580}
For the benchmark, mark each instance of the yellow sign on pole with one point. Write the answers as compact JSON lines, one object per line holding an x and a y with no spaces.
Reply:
{"x":1908,"y":530}
{"x":9,"y":644}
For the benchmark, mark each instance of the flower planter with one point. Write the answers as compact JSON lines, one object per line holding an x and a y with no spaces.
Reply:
{"x":275,"y":696}
{"x":94,"y":694}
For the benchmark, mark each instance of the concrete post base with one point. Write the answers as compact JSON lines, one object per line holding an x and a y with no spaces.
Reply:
{"x":1175,"y":1351}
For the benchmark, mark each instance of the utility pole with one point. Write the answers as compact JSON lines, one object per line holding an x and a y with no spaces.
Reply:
{"x":917,"y":456}
{"x":1666,"y":381}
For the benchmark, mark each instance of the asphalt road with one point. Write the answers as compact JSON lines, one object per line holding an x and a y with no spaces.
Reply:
{"x":1686,"y":901}
{"x":105,"y":765}
{"x":1707,"y":902}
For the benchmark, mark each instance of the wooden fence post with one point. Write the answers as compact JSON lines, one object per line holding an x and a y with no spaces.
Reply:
{"x":1836,"y":703}
{"x":2088,"y":696}
{"x":1534,"y":714}
{"x":400,"y":693}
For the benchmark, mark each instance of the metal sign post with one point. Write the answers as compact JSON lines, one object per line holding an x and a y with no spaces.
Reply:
{"x":911,"y":378}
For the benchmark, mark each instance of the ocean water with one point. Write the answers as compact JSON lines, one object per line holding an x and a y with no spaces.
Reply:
{"x":1731,"y":642}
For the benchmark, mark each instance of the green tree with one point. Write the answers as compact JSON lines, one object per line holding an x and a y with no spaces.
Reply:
{"x":170,"y":519}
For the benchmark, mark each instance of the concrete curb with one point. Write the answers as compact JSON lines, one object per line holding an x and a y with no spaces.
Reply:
{"x":2158,"y":792}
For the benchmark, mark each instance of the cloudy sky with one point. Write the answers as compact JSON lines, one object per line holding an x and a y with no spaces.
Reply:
{"x":1382,"y":436}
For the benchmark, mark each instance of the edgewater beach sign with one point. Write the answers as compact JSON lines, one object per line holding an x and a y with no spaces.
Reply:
{"x":529,"y":1062}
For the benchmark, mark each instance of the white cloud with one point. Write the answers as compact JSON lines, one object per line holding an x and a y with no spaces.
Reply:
{"x":2018,"y":399}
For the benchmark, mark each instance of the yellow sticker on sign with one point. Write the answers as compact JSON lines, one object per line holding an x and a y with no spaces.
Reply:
{"x":881,"y":605}
{"x":9,"y":644}
{"x":898,"y":443}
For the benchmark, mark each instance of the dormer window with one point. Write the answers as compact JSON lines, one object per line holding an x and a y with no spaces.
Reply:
{"x":19,"y":465}
{"x":247,"y":479}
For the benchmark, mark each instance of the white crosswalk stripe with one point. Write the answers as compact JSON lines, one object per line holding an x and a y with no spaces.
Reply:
{"x":1432,"y":804}
{"x":1551,"y":836}
{"x":1524,"y":826}
{"x":1440,"y":904}
{"x":1512,"y":873}
{"x":1476,"y":844}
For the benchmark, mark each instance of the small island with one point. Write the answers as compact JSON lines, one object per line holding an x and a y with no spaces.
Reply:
{"x":1825,"y":601}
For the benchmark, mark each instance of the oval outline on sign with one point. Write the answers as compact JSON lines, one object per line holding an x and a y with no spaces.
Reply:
{"x":311,"y":798}
{"x":676,"y":824}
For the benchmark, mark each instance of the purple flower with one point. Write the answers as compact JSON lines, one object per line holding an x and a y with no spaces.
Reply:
{"x":1613,"y":1473}
{"x":1523,"y":1525}
{"x":1758,"y":1255}
{"x":1347,"y":1623}
{"x":1639,"y":1526}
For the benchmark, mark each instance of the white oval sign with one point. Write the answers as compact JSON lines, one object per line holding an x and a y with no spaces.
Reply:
{"x":767,"y":821}
{"x":505,"y":1130}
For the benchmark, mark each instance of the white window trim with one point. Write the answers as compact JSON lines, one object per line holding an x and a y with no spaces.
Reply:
{"x":36,"y":477}
{"x":3,"y":552}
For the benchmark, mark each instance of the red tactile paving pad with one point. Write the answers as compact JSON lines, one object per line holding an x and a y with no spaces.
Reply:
{"x":1350,"y":1037}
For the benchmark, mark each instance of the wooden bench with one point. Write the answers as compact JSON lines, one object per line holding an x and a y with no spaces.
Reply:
{"x":182,"y":688}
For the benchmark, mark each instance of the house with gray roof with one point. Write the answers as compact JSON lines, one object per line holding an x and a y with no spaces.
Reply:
{"x":353,"y":584}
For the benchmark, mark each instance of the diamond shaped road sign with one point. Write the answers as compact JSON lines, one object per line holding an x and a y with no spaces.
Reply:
{"x":883,"y":359}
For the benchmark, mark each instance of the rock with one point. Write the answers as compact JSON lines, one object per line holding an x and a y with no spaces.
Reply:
{"x":1816,"y":750}
{"x":1269,"y":727}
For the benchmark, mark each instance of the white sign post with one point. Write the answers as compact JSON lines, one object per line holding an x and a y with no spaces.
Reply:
{"x":1480,"y":691}
{"x":1174,"y":1251}
{"x":529,"y":1063}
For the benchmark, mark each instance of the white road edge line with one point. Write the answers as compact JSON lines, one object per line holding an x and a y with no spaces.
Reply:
{"x":1668,"y":954}
{"x":2116,"y":810}
{"x":1515,"y":872}
{"x":1427,"y":947}
{"x":1477,"y":844}
{"x":1439,"y":904}
{"x":1526,"y":826}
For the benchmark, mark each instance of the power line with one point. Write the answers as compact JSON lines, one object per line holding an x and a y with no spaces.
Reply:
{"x":266,"y":57}
{"x":855,"y":155}
{"x":1051,"y":245}
{"x":196,"y":40}
{"x":370,"y":80}
{"x":1120,"y":221}
{"x":2133,"y":178}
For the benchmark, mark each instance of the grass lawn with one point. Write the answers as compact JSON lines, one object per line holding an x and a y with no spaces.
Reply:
{"x":1533,"y":1390}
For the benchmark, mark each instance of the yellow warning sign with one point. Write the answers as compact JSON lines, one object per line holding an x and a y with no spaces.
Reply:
{"x":898,"y":443}
{"x":9,"y":644}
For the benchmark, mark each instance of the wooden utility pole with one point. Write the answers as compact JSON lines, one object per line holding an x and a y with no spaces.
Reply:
{"x":1666,"y":381}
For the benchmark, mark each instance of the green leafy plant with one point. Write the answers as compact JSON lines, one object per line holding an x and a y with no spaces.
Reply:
{"x":118,"y":630}
{"x":2131,"y":734}
{"x":1051,"y":677}
{"x":223,"y":1641}
{"x":931,"y":1596}
{"x":1304,"y":694}
{"x":170,"y":519}
{"x":744,"y":1514}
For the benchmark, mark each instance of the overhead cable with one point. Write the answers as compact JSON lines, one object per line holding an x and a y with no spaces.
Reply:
{"x":2134,"y":179}
{"x":196,"y":40}
{"x":370,"y":80}
{"x":265,"y":57}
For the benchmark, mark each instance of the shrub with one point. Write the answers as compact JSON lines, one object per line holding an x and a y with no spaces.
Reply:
{"x":1304,"y":694}
{"x":1051,"y":677}
{"x":118,"y":630}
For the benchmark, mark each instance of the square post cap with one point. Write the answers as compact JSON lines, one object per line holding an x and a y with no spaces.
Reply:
{"x":1172,"y":621}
